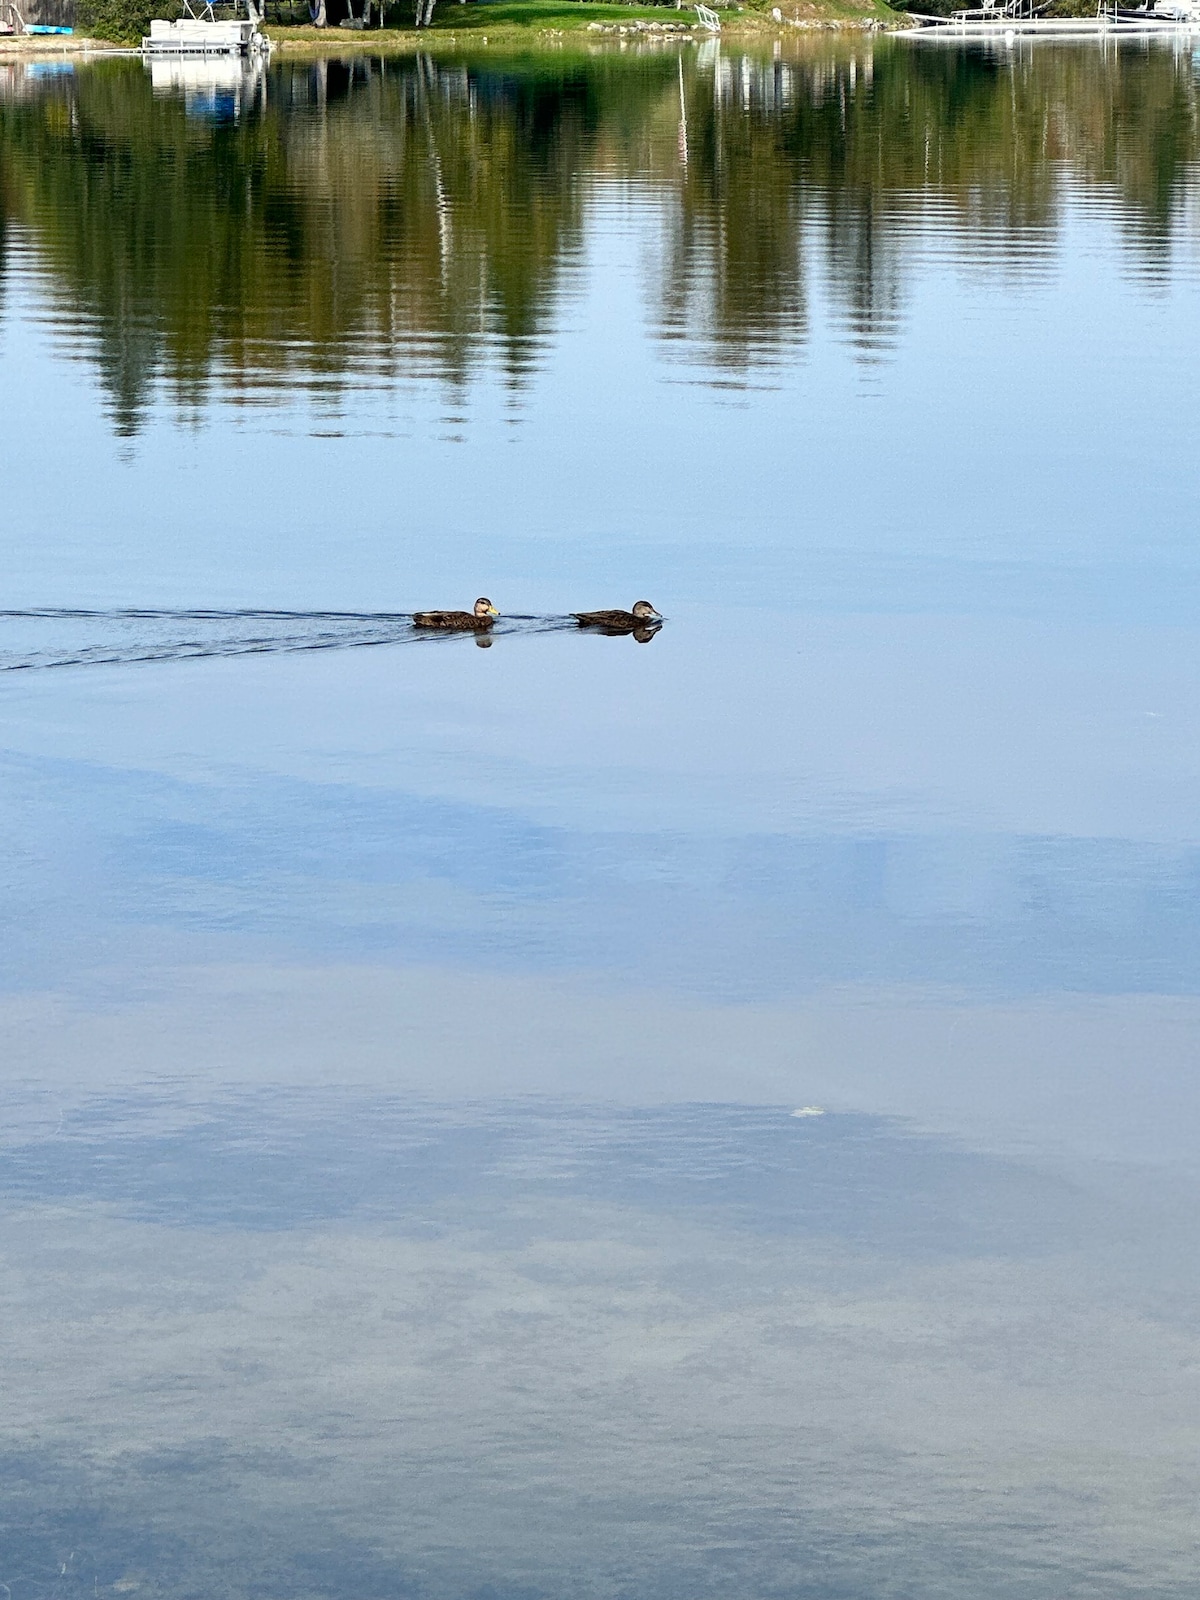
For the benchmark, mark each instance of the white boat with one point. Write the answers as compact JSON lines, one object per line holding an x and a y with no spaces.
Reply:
{"x":199,"y":33}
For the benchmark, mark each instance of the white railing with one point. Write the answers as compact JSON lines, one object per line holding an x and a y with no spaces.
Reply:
{"x":708,"y":19}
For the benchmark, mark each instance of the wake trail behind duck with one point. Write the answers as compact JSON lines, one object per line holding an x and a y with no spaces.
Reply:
{"x":36,"y":639}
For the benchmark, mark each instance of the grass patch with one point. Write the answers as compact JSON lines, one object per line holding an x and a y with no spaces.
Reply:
{"x":561,"y":14}
{"x":504,"y":20}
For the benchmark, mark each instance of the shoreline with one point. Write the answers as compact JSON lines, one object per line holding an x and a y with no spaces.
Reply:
{"x":43,"y":46}
{"x":528,"y":22}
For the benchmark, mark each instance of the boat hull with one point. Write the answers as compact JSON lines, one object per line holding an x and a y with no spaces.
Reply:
{"x":190,"y":37}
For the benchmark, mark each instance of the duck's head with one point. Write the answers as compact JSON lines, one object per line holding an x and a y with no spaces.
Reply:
{"x":645,"y":612}
{"x":485,"y":608}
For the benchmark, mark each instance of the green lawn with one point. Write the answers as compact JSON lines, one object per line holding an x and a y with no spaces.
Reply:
{"x":506,"y":20}
{"x":550,"y":14}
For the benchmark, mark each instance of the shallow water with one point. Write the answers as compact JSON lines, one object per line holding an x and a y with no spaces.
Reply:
{"x":403,"y":1189}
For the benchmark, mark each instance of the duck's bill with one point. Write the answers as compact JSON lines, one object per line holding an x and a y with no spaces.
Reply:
{"x":492,"y":612}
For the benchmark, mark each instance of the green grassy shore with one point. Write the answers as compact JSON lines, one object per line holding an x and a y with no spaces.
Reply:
{"x":506,"y":21}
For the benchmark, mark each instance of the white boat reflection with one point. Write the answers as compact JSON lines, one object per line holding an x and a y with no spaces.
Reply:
{"x":216,"y":88}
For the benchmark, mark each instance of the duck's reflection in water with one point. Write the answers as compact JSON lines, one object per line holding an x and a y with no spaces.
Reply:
{"x":642,"y":633}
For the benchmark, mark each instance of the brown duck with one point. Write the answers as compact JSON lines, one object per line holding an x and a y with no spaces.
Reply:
{"x":643,"y":619}
{"x":477,"y":621}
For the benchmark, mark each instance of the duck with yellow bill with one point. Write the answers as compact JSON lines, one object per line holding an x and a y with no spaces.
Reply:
{"x":477,"y":621}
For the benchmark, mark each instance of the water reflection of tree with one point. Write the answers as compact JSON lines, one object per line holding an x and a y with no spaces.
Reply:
{"x":365,"y":218}
{"x":843,"y":155}
{"x":405,"y":217}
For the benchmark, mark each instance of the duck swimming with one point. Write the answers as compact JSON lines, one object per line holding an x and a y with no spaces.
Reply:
{"x":642,"y":619}
{"x":476,"y":621}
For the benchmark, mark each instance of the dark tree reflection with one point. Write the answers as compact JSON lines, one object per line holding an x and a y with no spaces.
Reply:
{"x":346,"y":223}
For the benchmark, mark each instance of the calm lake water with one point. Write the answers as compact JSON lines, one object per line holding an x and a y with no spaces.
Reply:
{"x":404,"y":1189}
